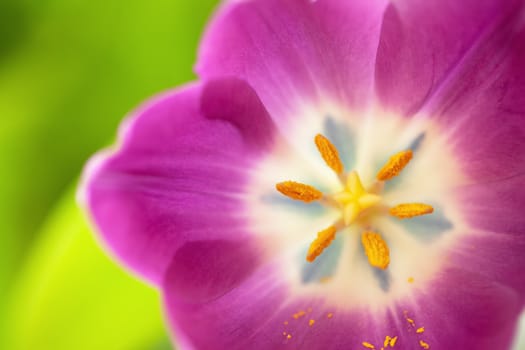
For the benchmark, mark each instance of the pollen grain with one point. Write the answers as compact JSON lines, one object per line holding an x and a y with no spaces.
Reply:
{"x":393,"y":341}
{"x":329,"y":153}
{"x":409,"y":210}
{"x":376,"y":249}
{"x":299,"y":191}
{"x":323,"y":240}
{"x":424,"y":345}
{"x":394,"y":166}
{"x":368,"y":345}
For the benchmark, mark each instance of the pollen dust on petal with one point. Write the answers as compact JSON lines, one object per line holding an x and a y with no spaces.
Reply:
{"x":299,"y":314}
{"x":368,"y":345}
{"x":424,"y":345}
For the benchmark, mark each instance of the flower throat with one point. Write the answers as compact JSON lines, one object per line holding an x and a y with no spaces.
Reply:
{"x":355,"y":202}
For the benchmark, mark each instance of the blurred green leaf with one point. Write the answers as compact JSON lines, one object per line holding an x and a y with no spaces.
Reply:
{"x":71,"y":295}
{"x":69,"y":71}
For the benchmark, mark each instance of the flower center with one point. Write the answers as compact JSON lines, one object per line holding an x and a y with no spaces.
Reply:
{"x":354,"y":202}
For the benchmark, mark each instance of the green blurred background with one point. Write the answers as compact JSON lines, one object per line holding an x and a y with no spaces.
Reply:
{"x":69,"y":71}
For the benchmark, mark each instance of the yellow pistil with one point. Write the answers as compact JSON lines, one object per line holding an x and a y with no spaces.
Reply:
{"x":299,"y":191}
{"x":376,"y":249}
{"x":354,"y":199}
{"x":395,"y":164}
{"x":329,"y":153}
{"x":410,"y":210}
{"x":323,"y":240}
{"x":368,"y":345}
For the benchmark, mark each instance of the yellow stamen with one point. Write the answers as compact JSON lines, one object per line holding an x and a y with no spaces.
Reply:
{"x":411,"y":280}
{"x":299,"y":191}
{"x":289,"y":336}
{"x":395,"y":164}
{"x":330,"y":315}
{"x":368,"y":345}
{"x":420,"y":330}
{"x":376,"y":249}
{"x":323,"y":240}
{"x":329,"y":153}
{"x":424,"y":345}
{"x":409,"y":210}
{"x":311,"y":323}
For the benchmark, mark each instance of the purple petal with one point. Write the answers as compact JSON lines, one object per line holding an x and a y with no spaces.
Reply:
{"x":483,"y":106}
{"x":246,"y":305}
{"x":423,"y":43}
{"x":291,"y":50}
{"x":495,"y":212}
{"x":463,"y":310}
{"x":179,"y":173}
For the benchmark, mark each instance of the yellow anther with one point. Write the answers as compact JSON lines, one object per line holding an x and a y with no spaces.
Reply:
{"x":368,"y":345}
{"x":411,"y":321}
{"x":323,"y":240}
{"x":376,"y":249}
{"x":395,"y":164}
{"x":311,"y":323}
{"x":420,"y":330}
{"x":411,"y":280}
{"x":329,"y":153}
{"x":393,"y":341}
{"x":289,"y":336}
{"x":409,"y":210}
{"x":424,"y":345}
{"x":299,"y":191}
{"x":330,"y":315}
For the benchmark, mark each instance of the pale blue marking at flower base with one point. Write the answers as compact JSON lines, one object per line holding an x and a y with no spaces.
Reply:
{"x":313,"y":209}
{"x":343,"y":139}
{"x":383,"y":277}
{"x":414,"y":146}
{"x":427,"y":227}
{"x":324,"y":265}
